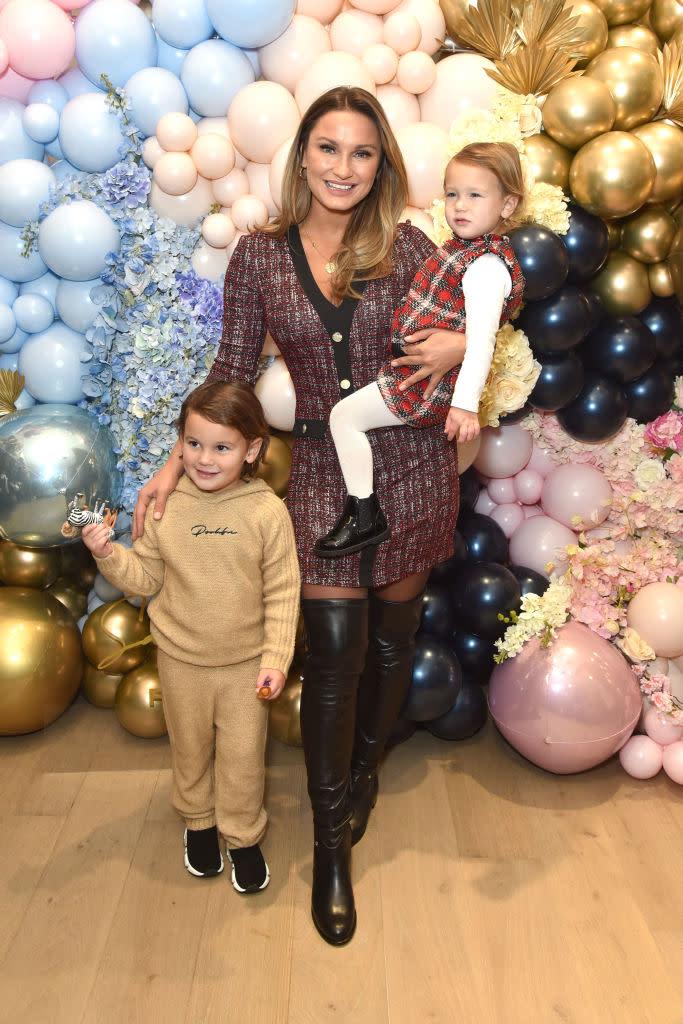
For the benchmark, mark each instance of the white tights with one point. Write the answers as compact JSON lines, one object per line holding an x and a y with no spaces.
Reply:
{"x":349,"y":420}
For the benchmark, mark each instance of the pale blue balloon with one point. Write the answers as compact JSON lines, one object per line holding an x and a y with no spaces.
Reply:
{"x":52,"y":365}
{"x":15,"y":144}
{"x":48,"y":91}
{"x":14,"y":343}
{"x":154,"y":92}
{"x":13,"y":264}
{"x":213,"y":73}
{"x":46,"y":286}
{"x":170,"y":57}
{"x":90,"y":133}
{"x":115,"y":39}
{"x":41,"y":122}
{"x":24,"y":185}
{"x":182,"y":22}
{"x":54,"y":150}
{"x":33,"y":313}
{"x":250,"y":23}
{"x":8,"y":323}
{"x":8,"y":291}
{"x":11,"y":362}
{"x":74,"y":304}
{"x":253,"y":57}
{"x":63,"y":169}
{"x":75,"y":83}
{"x":75,"y":239}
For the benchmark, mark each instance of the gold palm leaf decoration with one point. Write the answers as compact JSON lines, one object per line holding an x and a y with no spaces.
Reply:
{"x":488,"y":28}
{"x":11,"y":386}
{"x":671,"y":62}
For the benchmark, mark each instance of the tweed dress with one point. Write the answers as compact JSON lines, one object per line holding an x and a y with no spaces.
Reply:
{"x":331,"y":351}
{"x":436,"y":299}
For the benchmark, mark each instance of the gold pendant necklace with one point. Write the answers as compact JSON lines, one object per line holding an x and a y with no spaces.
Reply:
{"x":330,"y":266}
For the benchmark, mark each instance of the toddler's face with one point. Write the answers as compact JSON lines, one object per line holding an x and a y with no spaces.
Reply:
{"x":475,"y":202}
{"x":213,"y":454}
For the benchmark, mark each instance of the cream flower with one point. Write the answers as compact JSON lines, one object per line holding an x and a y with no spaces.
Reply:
{"x":634,"y":647}
{"x":649,"y":473}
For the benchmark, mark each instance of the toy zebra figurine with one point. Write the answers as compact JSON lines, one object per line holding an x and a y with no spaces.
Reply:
{"x":79,"y":515}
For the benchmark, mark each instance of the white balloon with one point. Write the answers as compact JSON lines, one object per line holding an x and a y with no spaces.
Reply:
{"x":275,"y":391}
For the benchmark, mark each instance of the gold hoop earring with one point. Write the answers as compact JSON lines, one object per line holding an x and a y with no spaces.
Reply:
{"x":302,"y":171}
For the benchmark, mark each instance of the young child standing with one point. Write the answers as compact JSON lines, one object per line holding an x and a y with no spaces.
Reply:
{"x":222,"y":568}
{"x":472,"y":283}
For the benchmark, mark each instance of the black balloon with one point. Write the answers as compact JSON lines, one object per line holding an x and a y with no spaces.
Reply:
{"x":558,"y":383}
{"x":516,"y":416}
{"x":664,"y":318}
{"x":650,"y":395}
{"x":586,"y":242}
{"x":437,"y":611}
{"x":557,"y":323}
{"x":467,"y":716}
{"x":436,"y":681}
{"x":449,"y":568}
{"x":598,"y":411}
{"x":622,"y":347}
{"x":596,"y":307}
{"x":542,"y":257}
{"x":530,"y":581}
{"x":469,"y":489}
{"x":482,"y":592}
{"x":475,"y":654}
{"x":484,"y":538}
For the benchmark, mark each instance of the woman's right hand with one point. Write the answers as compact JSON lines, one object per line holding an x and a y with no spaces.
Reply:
{"x":159,"y":487}
{"x":437,"y":352}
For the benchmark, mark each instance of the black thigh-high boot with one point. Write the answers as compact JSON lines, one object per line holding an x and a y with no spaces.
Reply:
{"x":336,"y":645}
{"x":382,"y":691}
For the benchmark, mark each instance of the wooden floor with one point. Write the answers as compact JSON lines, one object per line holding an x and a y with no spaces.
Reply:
{"x":488,"y":891}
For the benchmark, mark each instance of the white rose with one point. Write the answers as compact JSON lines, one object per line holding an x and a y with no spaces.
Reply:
{"x":634,"y":647}
{"x":648,"y":473}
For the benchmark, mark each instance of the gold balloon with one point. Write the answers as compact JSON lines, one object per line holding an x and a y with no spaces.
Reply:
{"x":276,"y":466}
{"x":78,"y":564}
{"x":71,"y":596}
{"x":41,"y":661}
{"x":284,"y":714}
{"x":139,"y":707}
{"x":622,"y":284}
{"x":665,"y":143}
{"x":548,"y":160}
{"x":661,"y":282}
{"x":675,"y":262}
{"x":28,"y":567}
{"x":453,"y":12}
{"x":666,"y":17}
{"x":99,"y":687}
{"x":110,"y":629}
{"x":612,"y":175}
{"x":620,"y":12}
{"x":577,"y":110}
{"x":648,"y":234}
{"x":640,"y":37}
{"x":594,"y":26}
{"x":635,"y":81}
{"x":677,"y":37}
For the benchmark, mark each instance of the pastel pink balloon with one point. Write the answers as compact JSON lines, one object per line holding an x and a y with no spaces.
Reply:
{"x":538,"y":541}
{"x":258,"y":176}
{"x":422,"y":220}
{"x":39,"y":36}
{"x":659,"y":728}
{"x":183,"y":209}
{"x":382,"y":62}
{"x":484,"y":503}
{"x":276,"y":171}
{"x":641,"y":757}
{"x":353,"y":31}
{"x":235,"y":184}
{"x":176,"y":132}
{"x":209,"y":262}
{"x":328,"y":71}
{"x":532,"y":510}
{"x":275,"y":392}
{"x":175,"y":173}
{"x":461,"y":85}
{"x":424,"y":147}
{"x":432,"y":22}
{"x":673,"y":761}
{"x":151,"y":151}
{"x":375,"y":6}
{"x":541,"y":460}
{"x":508,"y":516}
{"x":528,"y":484}
{"x":504,"y":451}
{"x":656,"y":613}
{"x":249,"y":212}
{"x":416,"y":72}
{"x":4,"y":56}
{"x":213,"y":126}
{"x":323,"y":11}
{"x":213,"y":155}
{"x":218,"y":230}
{"x":402,"y":31}
{"x":576,"y":489}
{"x":260,"y":118}
{"x":287,"y":57}
{"x":502,"y":490}
{"x":75,"y":5}
{"x":14,"y":86}
{"x":400,"y":107}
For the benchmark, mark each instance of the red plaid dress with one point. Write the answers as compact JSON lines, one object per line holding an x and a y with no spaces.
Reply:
{"x":436,"y":299}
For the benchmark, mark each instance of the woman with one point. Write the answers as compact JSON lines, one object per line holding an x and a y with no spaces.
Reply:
{"x":324,"y":278}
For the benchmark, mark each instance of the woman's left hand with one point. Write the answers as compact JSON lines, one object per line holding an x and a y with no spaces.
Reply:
{"x":436,"y":352}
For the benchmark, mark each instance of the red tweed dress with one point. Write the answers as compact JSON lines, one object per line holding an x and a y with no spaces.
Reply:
{"x":331,"y":351}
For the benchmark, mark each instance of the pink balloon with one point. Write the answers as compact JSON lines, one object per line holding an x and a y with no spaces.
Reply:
{"x":382,"y":62}
{"x":292,"y":53}
{"x":402,"y":31}
{"x":503,"y":451}
{"x":76,"y":5}
{"x":209,"y":262}
{"x":484,"y":504}
{"x":14,"y":86}
{"x":422,"y":220}
{"x":218,"y":230}
{"x":353,"y":31}
{"x":541,"y":460}
{"x":323,"y":11}
{"x":39,"y":36}
{"x":328,"y":71}
{"x":400,"y":107}
{"x":528,"y":484}
{"x":4,"y":57}
{"x":258,"y":176}
{"x":656,"y":613}
{"x":275,"y":391}
{"x":461,"y":85}
{"x":508,"y":516}
{"x":175,"y":173}
{"x":532,"y":510}
{"x":424,"y":148}
{"x":176,"y":132}
{"x":261,"y":117}
{"x":659,"y":728}
{"x":249,"y":212}
{"x":568,"y":706}
{"x":432,"y":23}
{"x":213,"y":155}
{"x":184,"y":209}
{"x":641,"y":757}
{"x":576,"y":490}
{"x":540,"y":540}
{"x":416,"y":72}
{"x":276,"y":171}
{"x":375,"y":6}
{"x":673,"y":761}
{"x":502,"y":490}
{"x":235,"y":184}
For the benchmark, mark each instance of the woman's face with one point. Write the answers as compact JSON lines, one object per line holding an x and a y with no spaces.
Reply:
{"x":341,"y":160}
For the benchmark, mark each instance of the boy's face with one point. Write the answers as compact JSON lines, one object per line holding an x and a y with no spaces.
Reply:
{"x":475,"y":202}
{"x":213,"y":454}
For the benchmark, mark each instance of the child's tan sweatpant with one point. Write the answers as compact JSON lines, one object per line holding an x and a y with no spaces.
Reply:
{"x":217,"y":728}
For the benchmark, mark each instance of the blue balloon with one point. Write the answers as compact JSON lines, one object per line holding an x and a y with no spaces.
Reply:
{"x":182,"y":22}
{"x":15,"y":144}
{"x":13,"y":264}
{"x":75,"y":239}
{"x":46,"y":286}
{"x":41,"y":122}
{"x":52,"y":365}
{"x":74,"y":304}
{"x":170,"y":57}
{"x":213,"y":73}
{"x":250,"y":23}
{"x":75,"y":83}
{"x":254,"y":61}
{"x":24,"y":185}
{"x":33,"y":313}
{"x":16,"y":341}
{"x":114,"y":39}
{"x":8,"y":291}
{"x":90,"y":133}
{"x":8,"y":322}
{"x":9,"y":361}
{"x":154,"y":92}
{"x":48,"y":91}
{"x":54,"y":150}
{"x":63,"y":169}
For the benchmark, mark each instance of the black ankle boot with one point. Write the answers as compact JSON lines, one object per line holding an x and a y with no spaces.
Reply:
{"x":361,"y":524}
{"x":336,"y":645}
{"x":382,"y":691}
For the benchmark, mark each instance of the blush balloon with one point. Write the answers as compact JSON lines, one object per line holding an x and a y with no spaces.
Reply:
{"x":401,"y":107}
{"x":290,"y":55}
{"x":659,"y":728}
{"x":641,"y":757}
{"x":540,"y":540}
{"x":501,"y":490}
{"x":503,"y":451}
{"x":541,"y":460}
{"x":527,"y":486}
{"x":672,"y":761}
{"x":508,"y":516}
{"x":576,"y":490}
{"x":656,"y":613}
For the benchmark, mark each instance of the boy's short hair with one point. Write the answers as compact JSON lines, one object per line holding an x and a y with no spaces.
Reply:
{"x":501,"y":158}
{"x":234,"y":404}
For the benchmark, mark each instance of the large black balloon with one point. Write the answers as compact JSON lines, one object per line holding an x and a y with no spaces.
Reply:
{"x":475,"y":654}
{"x":467,"y":716}
{"x":449,"y":568}
{"x":530,"y":581}
{"x":436,"y":681}
{"x":437,"y":611}
{"x":558,"y":383}
{"x":650,"y":395}
{"x":596,"y":307}
{"x":469,"y":489}
{"x":622,"y":347}
{"x":664,"y":318}
{"x":542,"y":257}
{"x":586,"y":242}
{"x":483,"y":591}
{"x":557,"y":323}
{"x":484,"y":538}
{"x":598,"y":411}
{"x":516,"y":416}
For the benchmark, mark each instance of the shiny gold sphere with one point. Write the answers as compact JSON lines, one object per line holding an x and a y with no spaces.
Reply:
{"x":661,"y":282}
{"x":677,"y":37}
{"x":640,"y":37}
{"x":621,"y":12}
{"x":577,"y":110}
{"x":139,"y":707}
{"x":275,"y":469}
{"x":623,"y":285}
{"x":71,"y":596}
{"x":648,"y":234}
{"x":28,"y":567}
{"x":78,"y":565}
{"x":453,"y":12}
{"x":612,"y":175}
{"x":111,"y":628}
{"x":635,"y":81}
{"x":594,"y":25}
{"x":675,"y":262}
{"x":665,"y":143}
{"x":41,"y":661}
{"x":666,"y":17}
{"x":99,"y":687}
{"x":549,"y":161}
{"x":284,"y":714}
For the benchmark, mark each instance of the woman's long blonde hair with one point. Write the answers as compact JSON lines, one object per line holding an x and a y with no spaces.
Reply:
{"x":370,"y":233}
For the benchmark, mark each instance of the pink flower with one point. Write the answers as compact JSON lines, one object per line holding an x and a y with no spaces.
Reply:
{"x":675,"y":468}
{"x":666,"y":431}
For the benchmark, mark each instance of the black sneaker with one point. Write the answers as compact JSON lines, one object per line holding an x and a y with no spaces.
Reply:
{"x":249,"y":869}
{"x":202,"y":852}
